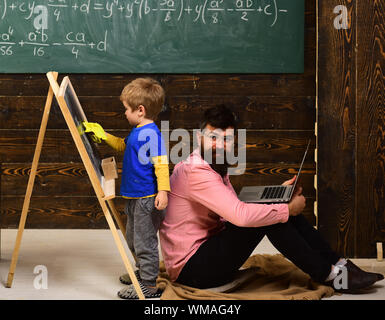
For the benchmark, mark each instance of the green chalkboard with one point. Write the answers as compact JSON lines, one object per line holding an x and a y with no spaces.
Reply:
{"x":152,"y":36}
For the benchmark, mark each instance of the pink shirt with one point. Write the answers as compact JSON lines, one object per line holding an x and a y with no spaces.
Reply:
{"x":199,"y":203}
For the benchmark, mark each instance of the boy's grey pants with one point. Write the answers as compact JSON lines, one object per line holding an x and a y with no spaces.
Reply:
{"x":143,"y":221}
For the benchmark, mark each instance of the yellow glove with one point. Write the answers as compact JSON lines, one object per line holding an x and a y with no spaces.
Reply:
{"x":97,"y":131}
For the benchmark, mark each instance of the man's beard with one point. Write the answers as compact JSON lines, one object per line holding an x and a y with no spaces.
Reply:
{"x":216,"y":156}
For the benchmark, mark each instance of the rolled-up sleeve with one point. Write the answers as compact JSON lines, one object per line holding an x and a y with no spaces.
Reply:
{"x":206,"y":187}
{"x":115,"y":142}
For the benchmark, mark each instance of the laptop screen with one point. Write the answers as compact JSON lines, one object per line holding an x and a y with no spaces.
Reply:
{"x":300,"y":168}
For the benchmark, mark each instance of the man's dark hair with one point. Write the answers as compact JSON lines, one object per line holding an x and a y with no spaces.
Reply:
{"x":219,"y":116}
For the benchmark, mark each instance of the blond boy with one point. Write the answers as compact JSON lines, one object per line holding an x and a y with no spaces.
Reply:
{"x":145,"y":179}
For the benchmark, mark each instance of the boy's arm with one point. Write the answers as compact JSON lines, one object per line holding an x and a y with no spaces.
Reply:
{"x":98,"y":134}
{"x":162,"y":177}
{"x":115,"y":142}
{"x":162,"y":172}
{"x":160,"y":161}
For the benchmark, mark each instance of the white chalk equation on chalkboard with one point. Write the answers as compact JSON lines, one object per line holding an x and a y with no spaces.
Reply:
{"x":38,"y":15}
{"x":39,"y":41}
{"x":206,"y":11}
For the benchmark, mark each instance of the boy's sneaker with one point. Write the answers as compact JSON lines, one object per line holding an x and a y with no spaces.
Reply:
{"x":129,"y":292}
{"x":125,"y":279}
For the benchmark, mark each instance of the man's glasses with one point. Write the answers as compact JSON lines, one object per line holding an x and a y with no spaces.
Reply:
{"x":212,"y":136}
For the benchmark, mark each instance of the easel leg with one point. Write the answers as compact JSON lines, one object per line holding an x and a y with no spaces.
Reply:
{"x":119,"y":221}
{"x":122,"y":252}
{"x":116,"y":215}
{"x":31,"y":181}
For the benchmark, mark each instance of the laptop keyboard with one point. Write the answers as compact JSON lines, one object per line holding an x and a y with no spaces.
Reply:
{"x":273,"y":192}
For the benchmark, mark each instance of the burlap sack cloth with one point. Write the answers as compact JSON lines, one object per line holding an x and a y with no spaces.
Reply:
{"x":271,"y":277}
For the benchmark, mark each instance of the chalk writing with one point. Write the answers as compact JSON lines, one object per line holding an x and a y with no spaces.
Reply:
{"x":105,"y":29}
{"x":169,"y":9}
{"x":207,"y":11}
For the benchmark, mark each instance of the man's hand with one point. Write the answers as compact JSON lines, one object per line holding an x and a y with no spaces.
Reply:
{"x":289,"y":182}
{"x":161,"y":200}
{"x":297,"y":203}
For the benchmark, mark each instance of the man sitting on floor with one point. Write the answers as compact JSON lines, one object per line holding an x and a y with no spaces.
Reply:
{"x":208,"y":233}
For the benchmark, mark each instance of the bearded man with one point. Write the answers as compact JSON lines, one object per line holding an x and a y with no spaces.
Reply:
{"x":208,"y":233}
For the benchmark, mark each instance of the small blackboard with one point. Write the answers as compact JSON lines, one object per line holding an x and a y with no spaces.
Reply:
{"x":78,"y":116}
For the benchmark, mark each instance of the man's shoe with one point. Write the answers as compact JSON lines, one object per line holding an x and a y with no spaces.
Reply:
{"x":356,"y":279}
{"x":356,"y":268}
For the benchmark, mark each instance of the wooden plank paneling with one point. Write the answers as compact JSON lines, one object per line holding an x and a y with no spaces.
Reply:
{"x":351,"y":127}
{"x":336,"y":128}
{"x":371,"y":129}
{"x":67,"y":179}
{"x":57,"y":212}
{"x":72,"y":212}
{"x":276,"y":109}
{"x":55,"y":180}
{"x":254,"y":112}
{"x":70,"y":179}
{"x":75,"y":206}
{"x":175,"y":85}
{"x":262,"y":146}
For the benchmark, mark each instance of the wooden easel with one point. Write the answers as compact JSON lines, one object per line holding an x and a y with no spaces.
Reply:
{"x":104,"y":197}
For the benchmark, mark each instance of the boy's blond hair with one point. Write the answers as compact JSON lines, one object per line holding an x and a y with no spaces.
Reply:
{"x":146,"y":92}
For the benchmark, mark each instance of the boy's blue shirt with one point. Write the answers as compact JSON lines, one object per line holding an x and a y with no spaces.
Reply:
{"x":138,"y":174}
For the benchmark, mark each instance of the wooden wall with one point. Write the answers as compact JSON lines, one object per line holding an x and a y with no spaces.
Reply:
{"x":277,"y":110}
{"x":351,"y":125}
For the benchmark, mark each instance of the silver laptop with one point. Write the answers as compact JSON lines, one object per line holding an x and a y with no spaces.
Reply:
{"x":271,"y":194}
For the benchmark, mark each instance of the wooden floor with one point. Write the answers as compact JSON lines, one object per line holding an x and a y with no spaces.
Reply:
{"x":85,"y":265}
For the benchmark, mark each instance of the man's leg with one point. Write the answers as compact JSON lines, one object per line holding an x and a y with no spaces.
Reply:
{"x":314,"y":238}
{"x":218,"y":258}
{"x":287,"y":240}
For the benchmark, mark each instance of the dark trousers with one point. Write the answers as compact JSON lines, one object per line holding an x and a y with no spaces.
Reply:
{"x":218,"y":259}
